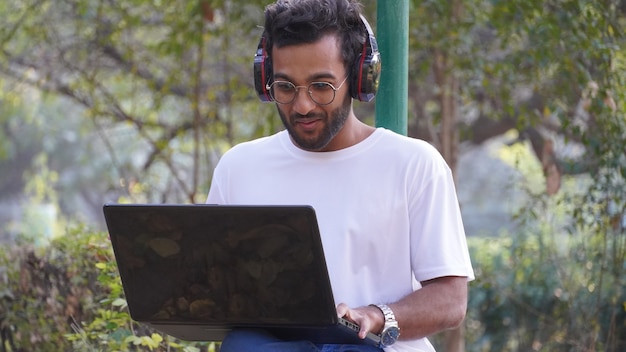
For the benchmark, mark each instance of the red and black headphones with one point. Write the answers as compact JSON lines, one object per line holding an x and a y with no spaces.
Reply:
{"x":364,"y":77}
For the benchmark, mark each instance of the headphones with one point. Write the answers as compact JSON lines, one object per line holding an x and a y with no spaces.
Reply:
{"x":364,"y":75}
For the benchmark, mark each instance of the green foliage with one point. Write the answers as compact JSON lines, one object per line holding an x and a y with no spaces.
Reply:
{"x":538,"y":295}
{"x":68,"y":297}
{"x":157,"y":77}
{"x":43,"y":290}
{"x":544,"y":289}
{"x":557,"y":283}
{"x":528,"y":61}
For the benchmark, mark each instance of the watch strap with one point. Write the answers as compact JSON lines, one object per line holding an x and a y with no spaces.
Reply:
{"x":387,"y":313}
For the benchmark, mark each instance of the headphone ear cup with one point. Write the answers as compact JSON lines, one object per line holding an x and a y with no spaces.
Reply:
{"x":355,"y":78}
{"x":365,"y":75}
{"x":262,"y":70}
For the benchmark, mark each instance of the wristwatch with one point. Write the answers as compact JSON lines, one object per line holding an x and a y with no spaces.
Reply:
{"x":391,"y":331}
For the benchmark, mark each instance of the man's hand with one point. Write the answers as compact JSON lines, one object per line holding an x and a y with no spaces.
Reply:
{"x":368,"y":318}
{"x":439,"y":305}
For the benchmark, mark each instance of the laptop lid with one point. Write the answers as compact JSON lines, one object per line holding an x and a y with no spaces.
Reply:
{"x":197,"y":271}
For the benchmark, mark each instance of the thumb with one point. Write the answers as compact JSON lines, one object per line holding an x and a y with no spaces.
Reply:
{"x":342,"y":310}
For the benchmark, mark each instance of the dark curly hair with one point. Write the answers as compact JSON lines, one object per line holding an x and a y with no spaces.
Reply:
{"x":291,"y":22}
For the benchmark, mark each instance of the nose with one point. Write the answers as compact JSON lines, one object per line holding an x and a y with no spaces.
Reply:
{"x":302,"y":103}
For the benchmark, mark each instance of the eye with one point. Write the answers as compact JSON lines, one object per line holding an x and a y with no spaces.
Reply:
{"x":320,"y":86}
{"x":283,"y":86}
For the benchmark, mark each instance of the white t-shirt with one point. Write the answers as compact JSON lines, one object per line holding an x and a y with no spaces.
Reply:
{"x":387,"y":210}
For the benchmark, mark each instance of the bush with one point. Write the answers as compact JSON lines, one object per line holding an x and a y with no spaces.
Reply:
{"x":537,"y":290}
{"x":45,"y":289}
{"x":534,"y":294}
{"x":68,"y":296}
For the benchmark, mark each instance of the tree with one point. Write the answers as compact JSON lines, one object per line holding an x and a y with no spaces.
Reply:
{"x":157,"y":77}
{"x":533,"y":66}
{"x":551,"y":70}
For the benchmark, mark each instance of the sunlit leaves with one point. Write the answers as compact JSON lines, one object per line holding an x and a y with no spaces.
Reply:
{"x":170,"y":70}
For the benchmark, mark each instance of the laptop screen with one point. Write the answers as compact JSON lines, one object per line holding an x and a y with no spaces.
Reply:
{"x":228,"y":265}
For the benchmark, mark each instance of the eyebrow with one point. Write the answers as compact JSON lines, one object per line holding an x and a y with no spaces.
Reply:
{"x":312,"y":78}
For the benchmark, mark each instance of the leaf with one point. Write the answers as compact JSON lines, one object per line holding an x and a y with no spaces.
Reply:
{"x":119,"y":302}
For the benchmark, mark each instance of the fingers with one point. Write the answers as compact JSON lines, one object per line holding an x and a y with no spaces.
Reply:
{"x":364,"y":330}
{"x":358,"y":316}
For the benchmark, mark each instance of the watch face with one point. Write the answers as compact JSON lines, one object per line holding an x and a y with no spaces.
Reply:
{"x":389,"y":336}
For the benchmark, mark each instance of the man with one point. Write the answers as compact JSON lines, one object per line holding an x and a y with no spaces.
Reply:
{"x":386,"y":204}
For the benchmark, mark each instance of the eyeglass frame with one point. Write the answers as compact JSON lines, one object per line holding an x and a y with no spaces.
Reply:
{"x":268,"y":87}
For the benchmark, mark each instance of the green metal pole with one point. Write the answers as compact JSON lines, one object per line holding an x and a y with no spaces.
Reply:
{"x":392,"y":36}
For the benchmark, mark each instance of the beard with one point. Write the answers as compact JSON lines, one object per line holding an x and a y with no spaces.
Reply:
{"x":332,"y":124}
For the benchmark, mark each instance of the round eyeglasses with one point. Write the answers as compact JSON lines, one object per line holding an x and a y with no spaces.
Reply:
{"x":322,"y":93}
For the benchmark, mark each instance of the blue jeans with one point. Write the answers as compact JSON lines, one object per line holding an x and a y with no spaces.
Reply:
{"x":250,"y":340}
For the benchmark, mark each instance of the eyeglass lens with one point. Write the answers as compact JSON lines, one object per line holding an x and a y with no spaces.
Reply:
{"x":283,"y":92}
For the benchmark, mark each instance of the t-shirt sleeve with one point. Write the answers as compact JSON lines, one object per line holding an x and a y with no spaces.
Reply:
{"x":438,"y":242}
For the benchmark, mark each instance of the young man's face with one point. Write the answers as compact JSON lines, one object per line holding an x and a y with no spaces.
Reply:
{"x":312,"y":126}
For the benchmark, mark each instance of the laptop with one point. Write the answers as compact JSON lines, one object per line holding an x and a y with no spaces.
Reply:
{"x":197,"y":271}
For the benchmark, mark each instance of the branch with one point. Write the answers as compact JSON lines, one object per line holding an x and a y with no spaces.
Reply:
{"x":141,"y":72}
